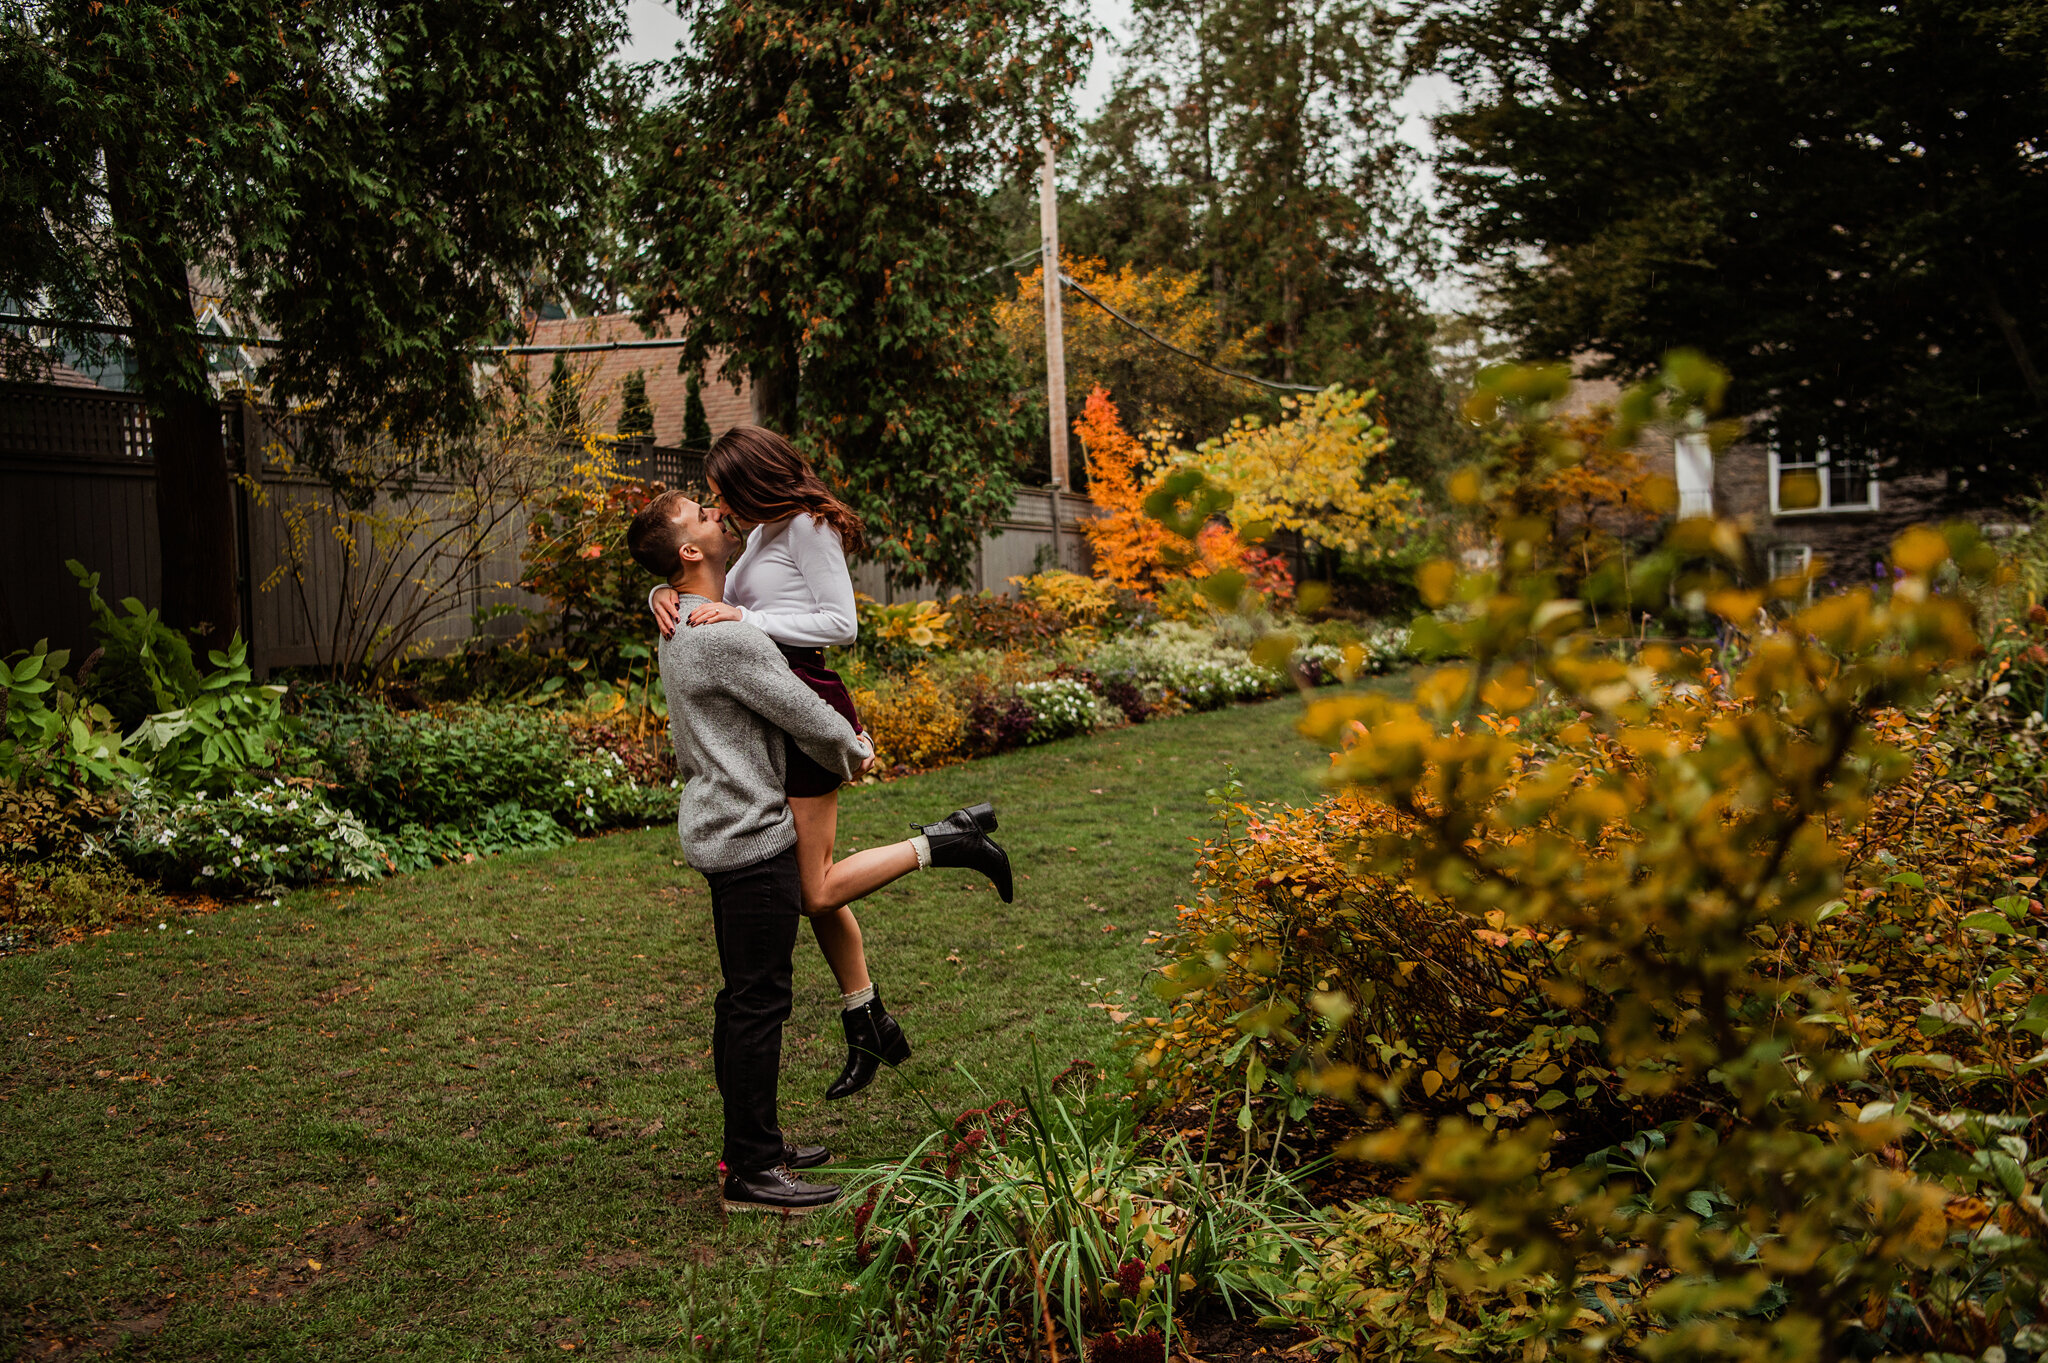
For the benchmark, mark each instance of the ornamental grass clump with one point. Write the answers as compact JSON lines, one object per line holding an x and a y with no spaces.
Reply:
{"x":1049,"y":1213}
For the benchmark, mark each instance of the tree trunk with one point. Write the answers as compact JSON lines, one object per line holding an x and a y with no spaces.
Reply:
{"x":2009,"y":328}
{"x":194,"y":496}
{"x":774,"y":393}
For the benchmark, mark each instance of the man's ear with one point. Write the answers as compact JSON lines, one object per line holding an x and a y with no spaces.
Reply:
{"x":690,"y":553}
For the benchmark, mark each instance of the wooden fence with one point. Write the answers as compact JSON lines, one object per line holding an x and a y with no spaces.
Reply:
{"x":77,"y":482}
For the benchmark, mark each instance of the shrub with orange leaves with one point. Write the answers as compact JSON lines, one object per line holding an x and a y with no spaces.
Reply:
{"x":1131,"y":548}
{"x":1746,"y":985}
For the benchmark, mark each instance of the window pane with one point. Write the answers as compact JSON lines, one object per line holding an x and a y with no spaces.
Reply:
{"x":1849,"y":480}
{"x":1694,"y":462}
{"x":1798,"y":488}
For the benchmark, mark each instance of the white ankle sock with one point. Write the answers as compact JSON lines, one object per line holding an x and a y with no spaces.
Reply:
{"x":923,"y":845}
{"x":859,"y":998}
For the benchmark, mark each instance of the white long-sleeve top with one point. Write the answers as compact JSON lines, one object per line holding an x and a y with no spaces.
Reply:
{"x":792,"y":583}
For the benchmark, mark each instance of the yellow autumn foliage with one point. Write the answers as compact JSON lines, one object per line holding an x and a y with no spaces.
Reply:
{"x":1312,"y":473}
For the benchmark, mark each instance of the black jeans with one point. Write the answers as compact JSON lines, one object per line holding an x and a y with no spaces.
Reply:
{"x":754,"y":912}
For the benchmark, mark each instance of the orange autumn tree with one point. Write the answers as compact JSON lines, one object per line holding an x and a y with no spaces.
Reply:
{"x":1133,"y":549}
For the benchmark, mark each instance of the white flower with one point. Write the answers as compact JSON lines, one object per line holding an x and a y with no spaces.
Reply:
{"x":282,"y":849}
{"x":163,"y":839}
{"x":238,"y":861}
{"x":292,"y":807}
{"x":205,"y":872}
{"x":234,"y":840}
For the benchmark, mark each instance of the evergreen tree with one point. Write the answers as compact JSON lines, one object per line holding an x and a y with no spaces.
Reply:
{"x":696,"y":425}
{"x":371,"y":180}
{"x":1841,"y":200}
{"x":565,"y":410}
{"x":636,"y":415}
{"x":819,"y":175}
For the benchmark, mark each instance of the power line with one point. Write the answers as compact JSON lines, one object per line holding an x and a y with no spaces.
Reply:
{"x":1031,"y":254}
{"x":1157,"y":339}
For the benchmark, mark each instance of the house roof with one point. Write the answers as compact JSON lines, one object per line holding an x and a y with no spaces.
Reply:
{"x":602,"y":375}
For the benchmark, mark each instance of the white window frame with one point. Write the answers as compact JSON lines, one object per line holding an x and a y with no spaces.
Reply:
{"x":1805,"y":552}
{"x":1822,"y":458}
{"x":1692,"y":468}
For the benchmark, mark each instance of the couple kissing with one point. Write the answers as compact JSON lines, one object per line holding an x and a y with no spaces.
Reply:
{"x":764,"y":736}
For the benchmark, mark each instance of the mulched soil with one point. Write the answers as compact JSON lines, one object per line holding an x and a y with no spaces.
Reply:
{"x":1313,"y":1143}
{"x":1219,"y":1339}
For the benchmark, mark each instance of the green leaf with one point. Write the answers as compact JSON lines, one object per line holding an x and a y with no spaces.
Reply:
{"x":1551,"y":1100}
{"x":1988,"y":920}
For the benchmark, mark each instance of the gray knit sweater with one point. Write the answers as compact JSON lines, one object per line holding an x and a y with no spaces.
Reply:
{"x":731,"y":698}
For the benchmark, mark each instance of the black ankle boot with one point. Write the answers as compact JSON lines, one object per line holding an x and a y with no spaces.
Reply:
{"x":873,"y":1038}
{"x":962,"y":839}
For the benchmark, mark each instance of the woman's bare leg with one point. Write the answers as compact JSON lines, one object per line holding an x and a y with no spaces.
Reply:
{"x":830,"y":886}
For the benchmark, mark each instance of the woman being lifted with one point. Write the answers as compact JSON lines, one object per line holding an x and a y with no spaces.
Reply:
{"x":791,"y":581}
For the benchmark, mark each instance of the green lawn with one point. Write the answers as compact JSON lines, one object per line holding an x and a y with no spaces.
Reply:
{"x":469,"y":1113}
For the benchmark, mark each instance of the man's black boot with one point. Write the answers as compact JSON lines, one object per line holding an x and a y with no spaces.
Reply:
{"x":805,"y":1156}
{"x":776,"y":1190}
{"x":962,"y":839}
{"x":873,"y":1039}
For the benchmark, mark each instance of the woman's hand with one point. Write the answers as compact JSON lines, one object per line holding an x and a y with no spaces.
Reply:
{"x":710,"y":615}
{"x":663,"y":604}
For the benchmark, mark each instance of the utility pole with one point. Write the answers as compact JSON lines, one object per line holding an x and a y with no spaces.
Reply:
{"x":1055,"y":342}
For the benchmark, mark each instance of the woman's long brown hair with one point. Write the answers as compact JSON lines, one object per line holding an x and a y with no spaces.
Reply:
{"x":761,"y":478}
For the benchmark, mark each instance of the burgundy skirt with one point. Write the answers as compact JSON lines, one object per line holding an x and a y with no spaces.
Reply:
{"x":802,"y":776}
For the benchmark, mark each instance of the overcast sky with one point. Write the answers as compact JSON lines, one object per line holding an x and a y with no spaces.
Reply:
{"x":656,"y":30}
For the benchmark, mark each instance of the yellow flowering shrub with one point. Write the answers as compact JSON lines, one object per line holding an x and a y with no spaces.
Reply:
{"x":913,"y":624}
{"x":1311,"y":472}
{"x":913,"y":721}
{"x":1085,"y":602}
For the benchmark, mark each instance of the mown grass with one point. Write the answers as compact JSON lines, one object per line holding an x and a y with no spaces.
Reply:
{"x":469,"y":1113}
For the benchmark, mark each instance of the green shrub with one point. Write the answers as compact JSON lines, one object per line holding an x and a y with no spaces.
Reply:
{"x":446,"y":768}
{"x":1186,"y":662}
{"x":142,"y":666}
{"x":502,"y":828}
{"x":53,"y":736}
{"x":54,"y":869}
{"x":90,"y":893}
{"x":1060,"y":708}
{"x":226,"y":732}
{"x":247,"y":842}
{"x":1391,"y":1282}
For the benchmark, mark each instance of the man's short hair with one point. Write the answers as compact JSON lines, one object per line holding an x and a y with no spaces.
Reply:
{"x":655,"y":539}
